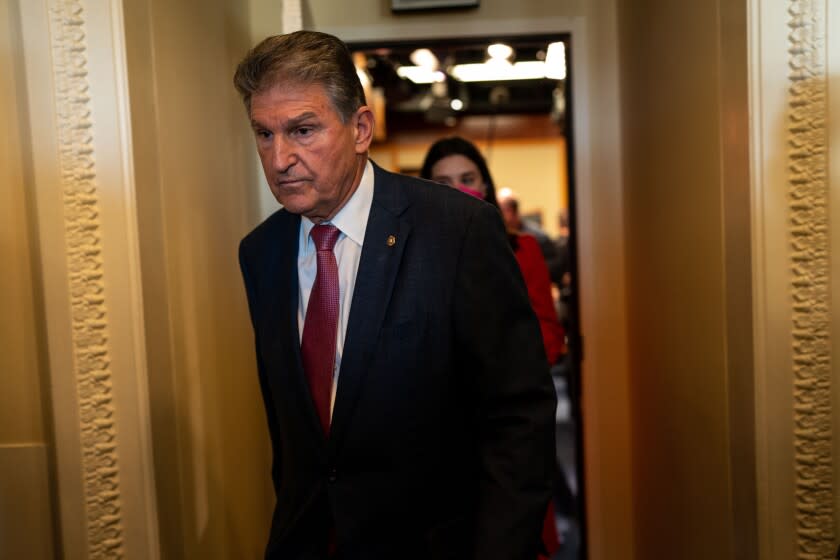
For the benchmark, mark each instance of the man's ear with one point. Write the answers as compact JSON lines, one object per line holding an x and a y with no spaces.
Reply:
{"x":364,"y":123}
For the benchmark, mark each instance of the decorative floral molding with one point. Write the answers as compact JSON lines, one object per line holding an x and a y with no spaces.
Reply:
{"x":101,"y":485}
{"x":809,"y":235}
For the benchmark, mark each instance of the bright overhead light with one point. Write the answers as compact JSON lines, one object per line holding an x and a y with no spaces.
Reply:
{"x":456,"y":104}
{"x":555,"y":61}
{"x":500,"y":51}
{"x":424,"y":58}
{"x":491,"y":72}
{"x":420,"y":74}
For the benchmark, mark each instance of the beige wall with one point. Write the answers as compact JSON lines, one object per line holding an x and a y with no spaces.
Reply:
{"x":687,"y":235}
{"x":25,"y":501}
{"x":602,"y":287}
{"x":193,"y":162}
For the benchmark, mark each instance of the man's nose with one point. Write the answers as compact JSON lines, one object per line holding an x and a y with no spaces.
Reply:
{"x":284,"y":153}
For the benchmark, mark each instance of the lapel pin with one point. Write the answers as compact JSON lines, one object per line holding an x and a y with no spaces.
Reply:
{"x":391,"y":241}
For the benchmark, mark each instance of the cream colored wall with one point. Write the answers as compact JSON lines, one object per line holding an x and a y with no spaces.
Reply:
{"x":599,"y":215}
{"x":688,"y":289}
{"x":194,"y":166}
{"x":26,"y":521}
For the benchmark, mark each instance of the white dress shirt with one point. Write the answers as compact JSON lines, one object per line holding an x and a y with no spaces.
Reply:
{"x":351,"y":220}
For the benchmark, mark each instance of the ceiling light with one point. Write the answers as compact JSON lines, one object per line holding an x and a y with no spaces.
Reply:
{"x":500,"y":51}
{"x":456,"y":104}
{"x":420,"y":75}
{"x":555,"y":61}
{"x":526,"y":70}
{"x":440,"y":89}
{"x":424,"y":58}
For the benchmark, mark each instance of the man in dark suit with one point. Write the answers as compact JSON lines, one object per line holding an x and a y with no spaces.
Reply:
{"x":406,"y":389}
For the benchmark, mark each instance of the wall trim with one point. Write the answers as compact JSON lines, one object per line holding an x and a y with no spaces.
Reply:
{"x":80,"y":170}
{"x":810,"y":286}
{"x":792,"y":278}
{"x":89,"y":312}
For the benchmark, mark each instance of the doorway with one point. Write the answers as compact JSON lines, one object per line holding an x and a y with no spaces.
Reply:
{"x":511,"y":96}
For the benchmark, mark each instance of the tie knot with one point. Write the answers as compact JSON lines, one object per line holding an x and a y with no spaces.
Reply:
{"x":324,"y":237}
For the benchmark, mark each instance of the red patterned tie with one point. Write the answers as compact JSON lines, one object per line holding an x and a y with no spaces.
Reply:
{"x":320,"y":327}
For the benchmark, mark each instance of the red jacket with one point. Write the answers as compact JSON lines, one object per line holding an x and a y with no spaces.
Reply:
{"x":535,"y":272}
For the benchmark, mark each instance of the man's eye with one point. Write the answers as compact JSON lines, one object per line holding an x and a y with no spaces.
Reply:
{"x":264,"y":134}
{"x":304,"y":131}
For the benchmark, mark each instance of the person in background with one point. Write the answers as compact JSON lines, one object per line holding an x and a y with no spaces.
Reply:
{"x":509,"y":205}
{"x":408,"y":419}
{"x":561,"y":243}
{"x":456,"y":162}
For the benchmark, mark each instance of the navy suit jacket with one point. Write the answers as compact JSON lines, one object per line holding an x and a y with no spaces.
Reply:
{"x":442,"y":436}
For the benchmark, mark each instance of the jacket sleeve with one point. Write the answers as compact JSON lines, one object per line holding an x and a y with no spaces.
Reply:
{"x":502,"y":353}
{"x":270,"y":413}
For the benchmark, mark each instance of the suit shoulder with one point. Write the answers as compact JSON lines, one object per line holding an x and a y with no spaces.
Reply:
{"x":276,"y":224}
{"x":428,"y":196}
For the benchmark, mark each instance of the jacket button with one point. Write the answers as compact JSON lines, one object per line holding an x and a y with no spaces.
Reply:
{"x":333,"y":476}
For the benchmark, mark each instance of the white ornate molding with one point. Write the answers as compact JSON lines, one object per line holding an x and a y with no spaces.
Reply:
{"x":89,"y":312}
{"x":82,"y":181}
{"x":810,"y":289}
{"x":794,"y":280}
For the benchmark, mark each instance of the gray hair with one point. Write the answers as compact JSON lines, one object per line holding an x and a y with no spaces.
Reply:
{"x":302,"y":58}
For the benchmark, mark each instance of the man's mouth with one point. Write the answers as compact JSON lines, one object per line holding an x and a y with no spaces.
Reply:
{"x":289,"y":182}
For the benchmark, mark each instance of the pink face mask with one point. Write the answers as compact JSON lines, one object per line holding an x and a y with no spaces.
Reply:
{"x":471,"y":192}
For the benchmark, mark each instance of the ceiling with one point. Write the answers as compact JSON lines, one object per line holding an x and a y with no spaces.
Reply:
{"x":451,"y":96}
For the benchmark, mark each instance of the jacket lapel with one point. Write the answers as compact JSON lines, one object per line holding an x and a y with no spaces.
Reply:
{"x":285,"y":340}
{"x":385,"y":239}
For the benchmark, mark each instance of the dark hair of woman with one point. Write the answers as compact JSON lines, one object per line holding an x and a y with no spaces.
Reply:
{"x":455,"y":145}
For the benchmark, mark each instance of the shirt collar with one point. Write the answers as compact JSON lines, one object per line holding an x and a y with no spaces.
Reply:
{"x":353,"y":216}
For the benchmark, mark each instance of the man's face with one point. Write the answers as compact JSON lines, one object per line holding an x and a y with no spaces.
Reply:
{"x":313,"y":162}
{"x":509,"y":214}
{"x":510,"y":209}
